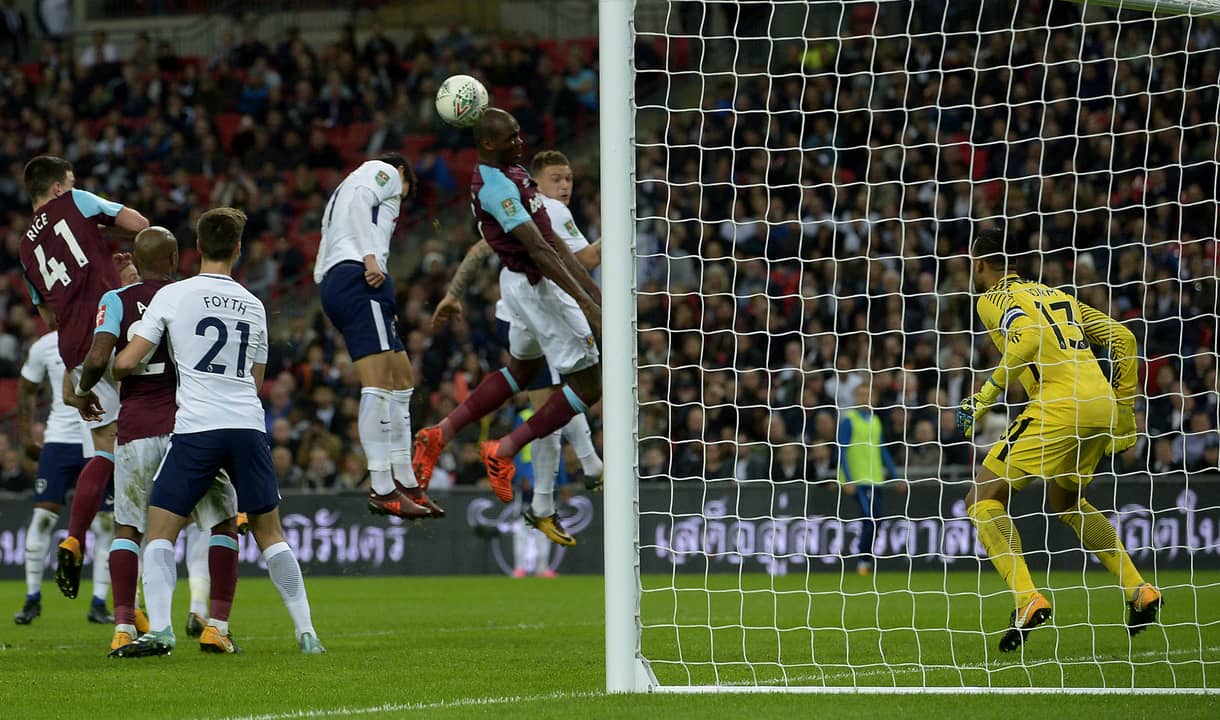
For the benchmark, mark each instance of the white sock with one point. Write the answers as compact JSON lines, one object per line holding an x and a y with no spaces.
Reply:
{"x":160,"y":576}
{"x":521,"y":545}
{"x":103,"y":535}
{"x":221,"y":625}
{"x":580,"y":437}
{"x":197,"y":541}
{"x":37,"y":546}
{"x":376,"y":432}
{"x":400,"y":454}
{"x":544,"y":453}
{"x":542,"y":551}
{"x":286,"y":574}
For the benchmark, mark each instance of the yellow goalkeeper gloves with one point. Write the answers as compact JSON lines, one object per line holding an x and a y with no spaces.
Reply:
{"x":975,"y":405}
{"x":1124,"y":429}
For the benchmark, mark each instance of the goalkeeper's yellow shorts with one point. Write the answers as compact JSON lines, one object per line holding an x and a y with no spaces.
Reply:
{"x":1032,"y":448}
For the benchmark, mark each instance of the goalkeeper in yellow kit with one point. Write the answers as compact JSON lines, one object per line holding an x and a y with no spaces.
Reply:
{"x":1074,"y":417}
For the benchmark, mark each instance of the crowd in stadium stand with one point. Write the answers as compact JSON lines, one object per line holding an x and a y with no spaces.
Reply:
{"x":803,"y":232}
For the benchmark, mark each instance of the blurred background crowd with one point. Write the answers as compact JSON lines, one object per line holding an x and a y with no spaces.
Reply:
{"x":803,"y":219}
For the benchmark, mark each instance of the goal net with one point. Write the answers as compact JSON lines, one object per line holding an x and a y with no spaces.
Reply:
{"x":808,"y":178}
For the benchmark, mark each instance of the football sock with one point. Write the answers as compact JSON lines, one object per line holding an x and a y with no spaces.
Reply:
{"x":559,"y":408}
{"x":544,"y":453}
{"x":580,"y":437}
{"x":1097,"y":536}
{"x":1003,"y":544}
{"x":124,"y":577}
{"x":200,"y":579}
{"x":375,"y":426}
{"x":222,"y":567}
{"x":90,"y":492}
{"x":400,"y":424}
{"x":37,"y":545}
{"x":286,"y":574}
{"x":160,"y":576}
{"x":492,"y":392}
{"x":542,"y":551}
{"x":103,"y":534}
{"x":522,"y":541}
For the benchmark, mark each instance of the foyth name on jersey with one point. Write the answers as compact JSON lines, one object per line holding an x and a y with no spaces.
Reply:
{"x":226,"y":302}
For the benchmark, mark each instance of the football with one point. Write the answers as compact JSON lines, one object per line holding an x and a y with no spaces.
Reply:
{"x":461,"y":100}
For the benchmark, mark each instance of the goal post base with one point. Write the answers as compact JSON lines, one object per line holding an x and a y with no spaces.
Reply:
{"x":922,"y":690}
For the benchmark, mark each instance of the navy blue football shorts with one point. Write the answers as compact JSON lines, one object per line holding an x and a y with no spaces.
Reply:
{"x":59,"y":464}
{"x":194,"y":459}
{"x":364,"y":314}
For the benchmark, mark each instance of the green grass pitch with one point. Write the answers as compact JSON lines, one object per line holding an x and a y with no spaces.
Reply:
{"x":492,"y":647}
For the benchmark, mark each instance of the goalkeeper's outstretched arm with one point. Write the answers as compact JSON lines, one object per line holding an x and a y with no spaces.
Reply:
{"x":1102,"y":330}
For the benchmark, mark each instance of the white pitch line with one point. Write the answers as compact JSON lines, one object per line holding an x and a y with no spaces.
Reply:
{"x":411,"y":707}
{"x":993,"y":665}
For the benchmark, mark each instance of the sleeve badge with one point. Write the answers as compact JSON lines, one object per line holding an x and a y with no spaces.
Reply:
{"x":382,"y":177}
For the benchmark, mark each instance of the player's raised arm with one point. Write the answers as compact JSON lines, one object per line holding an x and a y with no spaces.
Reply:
{"x":450,"y":306}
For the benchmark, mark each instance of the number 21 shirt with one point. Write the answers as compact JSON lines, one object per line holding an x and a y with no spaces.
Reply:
{"x":217,"y":333}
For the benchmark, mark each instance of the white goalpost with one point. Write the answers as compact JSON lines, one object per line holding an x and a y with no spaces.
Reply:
{"x":789,"y":190}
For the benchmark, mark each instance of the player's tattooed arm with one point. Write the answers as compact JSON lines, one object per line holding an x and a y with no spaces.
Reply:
{"x":475,"y":258}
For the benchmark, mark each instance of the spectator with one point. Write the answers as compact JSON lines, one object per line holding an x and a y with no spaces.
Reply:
{"x":322,"y":153}
{"x":101,"y":51}
{"x":14,"y":32}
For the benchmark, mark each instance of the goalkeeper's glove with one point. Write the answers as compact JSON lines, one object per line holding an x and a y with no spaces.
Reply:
{"x":1124,"y":430}
{"x":965,"y":416}
{"x":975,"y":405}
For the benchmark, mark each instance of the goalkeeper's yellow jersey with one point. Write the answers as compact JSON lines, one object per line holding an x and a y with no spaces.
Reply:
{"x":1045,"y":337}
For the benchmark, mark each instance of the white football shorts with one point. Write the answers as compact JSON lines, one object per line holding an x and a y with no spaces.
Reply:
{"x":135,"y":467}
{"x":546,"y":322}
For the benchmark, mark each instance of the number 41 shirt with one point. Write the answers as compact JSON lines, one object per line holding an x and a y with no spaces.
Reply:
{"x":68,"y":265}
{"x":217,"y":333}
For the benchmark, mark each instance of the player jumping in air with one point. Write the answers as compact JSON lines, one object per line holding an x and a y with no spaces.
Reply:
{"x":65,"y":449}
{"x":1074,"y":417}
{"x":146,"y":420}
{"x":68,"y":266}
{"x":553,"y":173}
{"x":554,"y":307}
{"x":358,"y":297}
{"x":217,"y":332}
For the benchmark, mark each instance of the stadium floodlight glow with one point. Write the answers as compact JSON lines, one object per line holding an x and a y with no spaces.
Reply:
{"x":787,"y":191}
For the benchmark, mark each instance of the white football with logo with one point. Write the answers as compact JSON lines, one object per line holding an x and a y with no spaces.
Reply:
{"x":461,"y":100}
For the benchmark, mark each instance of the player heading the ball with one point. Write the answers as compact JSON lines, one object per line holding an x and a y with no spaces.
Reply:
{"x":554,"y":305}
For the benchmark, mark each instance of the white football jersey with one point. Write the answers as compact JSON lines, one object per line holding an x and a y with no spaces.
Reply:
{"x":44,"y":364}
{"x":563,"y":224}
{"x":564,"y":227}
{"x":217,"y":333}
{"x":360,"y":217}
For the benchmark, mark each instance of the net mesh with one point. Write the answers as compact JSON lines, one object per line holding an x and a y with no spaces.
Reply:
{"x":809,"y":178}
